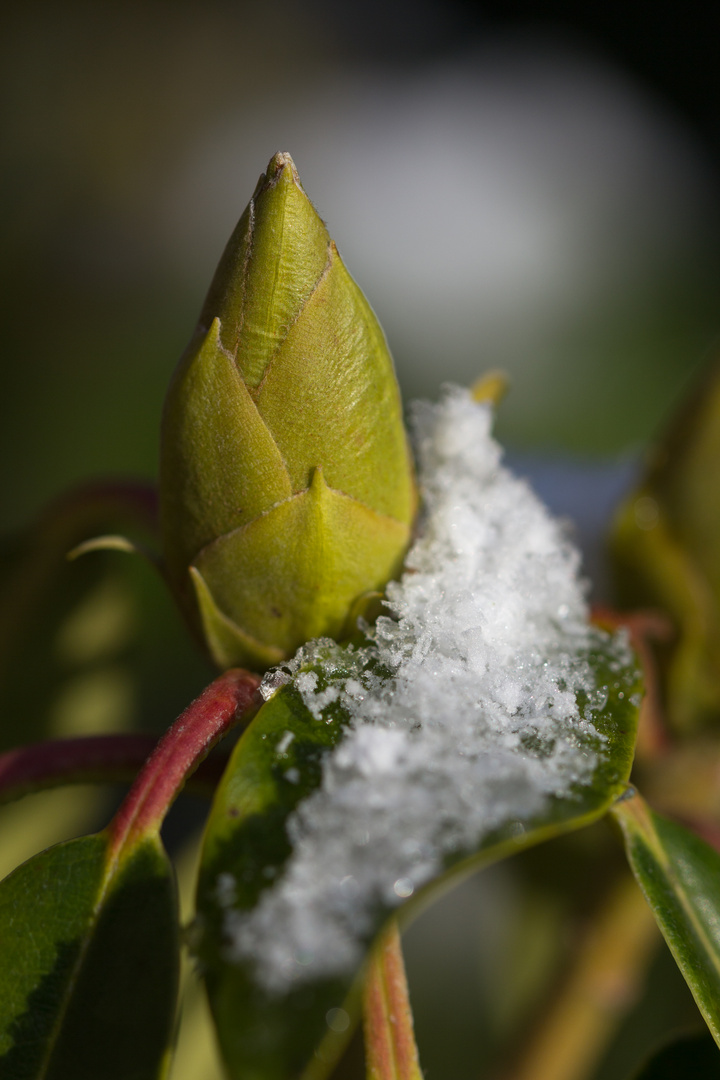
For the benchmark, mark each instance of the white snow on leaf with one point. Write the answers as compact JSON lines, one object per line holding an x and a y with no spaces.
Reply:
{"x":473,"y":725}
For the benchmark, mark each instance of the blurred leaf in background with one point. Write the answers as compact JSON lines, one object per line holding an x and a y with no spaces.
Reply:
{"x":666,"y":555}
{"x":87,"y":647}
{"x":94,"y":645}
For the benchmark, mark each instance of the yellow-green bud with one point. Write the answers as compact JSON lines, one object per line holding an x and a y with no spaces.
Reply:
{"x":286,"y":485}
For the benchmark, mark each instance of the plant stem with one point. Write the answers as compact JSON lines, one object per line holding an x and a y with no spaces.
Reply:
{"x":390,"y":1046}
{"x":220,"y":706}
{"x":644,"y":627}
{"x":87,"y":760}
{"x":686,"y":784}
{"x":601,"y":986}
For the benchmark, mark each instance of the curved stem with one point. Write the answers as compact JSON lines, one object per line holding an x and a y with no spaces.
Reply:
{"x":221,"y":705}
{"x":87,"y":760}
{"x":644,"y":628}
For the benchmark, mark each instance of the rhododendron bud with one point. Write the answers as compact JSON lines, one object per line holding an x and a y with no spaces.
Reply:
{"x":286,"y":484}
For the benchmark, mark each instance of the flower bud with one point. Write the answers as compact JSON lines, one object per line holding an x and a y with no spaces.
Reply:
{"x":286,"y":484}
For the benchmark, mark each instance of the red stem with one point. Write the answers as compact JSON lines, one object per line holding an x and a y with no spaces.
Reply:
{"x":390,"y":1048}
{"x":181,"y":749}
{"x":134,"y":499}
{"x":87,"y":760}
{"x":706,"y":830}
{"x":644,"y":627}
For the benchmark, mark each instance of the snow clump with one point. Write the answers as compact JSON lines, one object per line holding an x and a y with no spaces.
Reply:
{"x":472,"y":728}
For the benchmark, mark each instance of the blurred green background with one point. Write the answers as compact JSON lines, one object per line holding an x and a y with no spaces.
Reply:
{"x":535,"y":192}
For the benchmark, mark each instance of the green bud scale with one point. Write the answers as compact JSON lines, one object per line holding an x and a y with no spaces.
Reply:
{"x":286,"y":484}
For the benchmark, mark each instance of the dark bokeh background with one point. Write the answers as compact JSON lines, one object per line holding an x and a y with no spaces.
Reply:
{"x":515,"y":188}
{"x":531,"y":191}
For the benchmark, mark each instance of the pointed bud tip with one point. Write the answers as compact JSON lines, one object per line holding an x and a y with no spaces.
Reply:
{"x":280,"y":167}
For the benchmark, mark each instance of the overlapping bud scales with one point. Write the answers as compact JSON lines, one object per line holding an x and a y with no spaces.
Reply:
{"x":286,"y":484}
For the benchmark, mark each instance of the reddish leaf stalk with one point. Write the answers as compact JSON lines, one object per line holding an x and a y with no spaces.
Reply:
{"x":220,"y":706}
{"x":706,"y":830}
{"x":644,"y":627}
{"x":86,"y":760}
{"x":390,"y":1046}
{"x":133,"y":500}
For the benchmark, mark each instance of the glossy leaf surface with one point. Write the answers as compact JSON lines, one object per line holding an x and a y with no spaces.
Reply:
{"x":89,"y":973}
{"x":274,"y":1037}
{"x":680,"y":876}
{"x":88,"y":984}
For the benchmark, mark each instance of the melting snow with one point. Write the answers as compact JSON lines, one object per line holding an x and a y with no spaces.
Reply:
{"x":475,"y":729}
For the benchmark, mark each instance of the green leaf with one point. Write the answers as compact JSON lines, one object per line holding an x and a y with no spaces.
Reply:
{"x":90,"y":949}
{"x":694,"y":1056}
{"x":89,"y":975}
{"x":680,"y":876}
{"x":89,"y":928}
{"x":278,"y":763}
{"x":666,"y":554}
